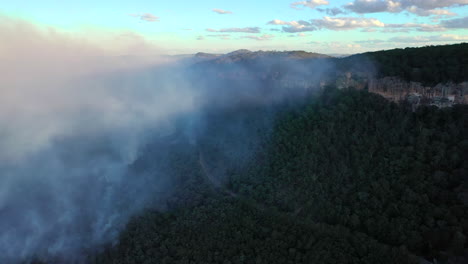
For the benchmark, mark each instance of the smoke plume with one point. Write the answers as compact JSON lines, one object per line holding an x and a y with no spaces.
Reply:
{"x":75,"y":114}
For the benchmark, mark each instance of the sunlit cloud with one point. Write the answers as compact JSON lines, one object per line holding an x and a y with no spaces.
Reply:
{"x":415,"y":39}
{"x":428,"y":39}
{"x":332,"y":11}
{"x":417,"y":7}
{"x":220,"y":36}
{"x":374,"y":6}
{"x":368,"y":30}
{"x":299,"y":35}
{"x":294,"y":26}
{"x":310,"y":4}
{"x":146,"y":17}
{"x":456,"y":23}
{"x":342,"y":23}
{"x":370,"y":41}
{"x":432,"y":4}
{"x":431,"y":12}
{"x":326,"y":46}
{"x":259,"y":38}
{"x":221,"y":11}
{"x":235,"y":30}
{"x":346,"y":23}
{"x":406,"y":27}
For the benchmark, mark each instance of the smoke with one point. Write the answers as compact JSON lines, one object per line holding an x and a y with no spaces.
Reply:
{"x":76,"y":113}
{"x":73,"y":116}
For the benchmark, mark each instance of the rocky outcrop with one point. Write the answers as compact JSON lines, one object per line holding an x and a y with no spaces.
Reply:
{"x":396,"y":89}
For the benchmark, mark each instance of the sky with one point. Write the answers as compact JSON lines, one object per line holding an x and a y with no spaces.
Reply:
{"x":175,"y":27}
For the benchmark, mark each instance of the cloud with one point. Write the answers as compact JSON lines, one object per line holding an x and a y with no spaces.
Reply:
{"x":406,"y":27}
{"x":294,"y":26}
{"x":432,"y":4}
{"x":331,"y":11}
{"x":200,"y":38}
{"x":221,"y":11}
{"x":431,"y":12}
{"x":370,"y":41}
{"x":336,"y":45}
{"x":73,"y":116}
{"x":235,"y":30}
{"x":220,"y":36}
{"x":368,"y":30}
{"x":281,"y":22}
{"x":346,"y":23}
{"x":146,"y":17}
{"x":418,"y":7}
{"x":373,"y":6}
{"x":342,"y":23}
{"x":336,"y":48}
{"x":428,"y":39}
{"x":416,"y":39}
{"x":456,"y":23}
{"x":365,"y":24}
{"x":310,"y":3}
{"x":299,"y":35}
{"x":395,"y":30}
{"x":260,"y":38}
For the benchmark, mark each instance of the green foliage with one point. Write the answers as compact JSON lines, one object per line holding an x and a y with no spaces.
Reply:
{"x":345,"y":178}
{"x":370,"y":165}
{"x":227,"y":230}
{"x":429,"y":65}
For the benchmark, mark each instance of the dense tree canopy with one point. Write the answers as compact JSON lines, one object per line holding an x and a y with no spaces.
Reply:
{"x":343,"y":178}
{"x":429,"y":65}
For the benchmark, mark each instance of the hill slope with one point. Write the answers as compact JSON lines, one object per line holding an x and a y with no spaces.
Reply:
{"x":430,"y":65}
{"x":347,"y":178}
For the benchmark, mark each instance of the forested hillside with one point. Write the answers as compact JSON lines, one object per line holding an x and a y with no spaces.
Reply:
{"x":347,"y":177}
{"x":429,"y":65}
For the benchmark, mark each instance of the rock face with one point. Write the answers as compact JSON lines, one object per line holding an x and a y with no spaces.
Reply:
{"x":396,"y":90}
{"x":440,"y":95}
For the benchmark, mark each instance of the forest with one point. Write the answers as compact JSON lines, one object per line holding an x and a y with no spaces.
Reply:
{"x":429,"y":65}
{"x":340,"y":177}
{"x":150,"y":132}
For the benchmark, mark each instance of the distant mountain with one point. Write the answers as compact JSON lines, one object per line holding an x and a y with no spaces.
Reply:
{"x":204,"y":55}
{"x":238,"y":52}
{"x":426,"y":73}
{"x":245,"y":55}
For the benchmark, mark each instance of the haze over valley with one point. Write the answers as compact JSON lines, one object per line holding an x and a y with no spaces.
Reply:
{"x":148,"y":138}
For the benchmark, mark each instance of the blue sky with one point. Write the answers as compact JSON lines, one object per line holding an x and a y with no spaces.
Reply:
{"x":326,"y":26}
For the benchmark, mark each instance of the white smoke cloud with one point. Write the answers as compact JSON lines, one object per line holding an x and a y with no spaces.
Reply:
{"x":75,"y":119}
{"x":73,"y":116}
{"x":48,"y":77}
